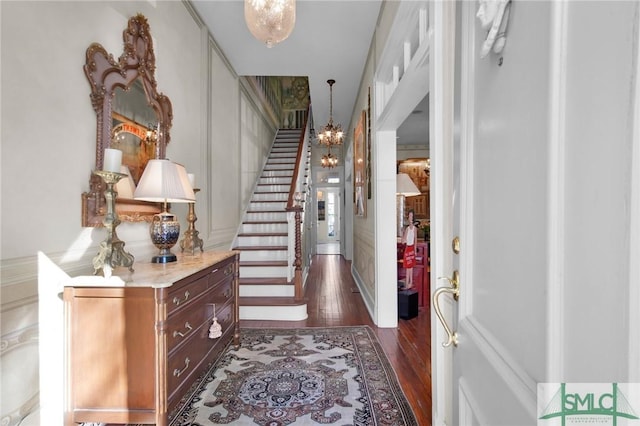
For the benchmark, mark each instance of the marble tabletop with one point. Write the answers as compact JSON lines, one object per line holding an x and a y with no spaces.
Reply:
{"x":155,"y":275}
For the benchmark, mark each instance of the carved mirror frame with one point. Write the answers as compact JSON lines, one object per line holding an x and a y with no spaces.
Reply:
{"x":105,"y":75}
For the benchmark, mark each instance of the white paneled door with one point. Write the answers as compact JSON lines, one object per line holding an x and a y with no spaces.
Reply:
{"x":484,"y":346}
{"x":535,"y":145}
{"x":328,"y":215}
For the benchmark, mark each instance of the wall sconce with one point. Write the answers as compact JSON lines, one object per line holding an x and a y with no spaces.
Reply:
{"x":165,"y":182}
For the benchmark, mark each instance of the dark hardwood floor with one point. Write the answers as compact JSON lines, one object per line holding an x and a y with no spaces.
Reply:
{"x":333,"y":300}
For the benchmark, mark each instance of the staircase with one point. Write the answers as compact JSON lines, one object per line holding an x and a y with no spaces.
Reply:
{"x":267,"y":290}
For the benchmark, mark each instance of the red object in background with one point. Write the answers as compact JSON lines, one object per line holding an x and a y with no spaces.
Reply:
{"x":420,"y":271}
{"x":409,"y":259}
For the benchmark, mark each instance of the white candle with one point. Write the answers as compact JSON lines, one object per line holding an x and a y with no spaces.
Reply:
{"x":112,"y":160}
{"x":192,"y":180}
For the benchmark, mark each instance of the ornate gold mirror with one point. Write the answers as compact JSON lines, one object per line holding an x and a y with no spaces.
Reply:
{"x":131,"y":116}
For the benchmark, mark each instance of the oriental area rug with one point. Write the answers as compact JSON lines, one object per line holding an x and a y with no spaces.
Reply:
{"x":305,"y":376}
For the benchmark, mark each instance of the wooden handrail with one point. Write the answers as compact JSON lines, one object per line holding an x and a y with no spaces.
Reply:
{"x":296,"y":170}
{"x":291,"y":207}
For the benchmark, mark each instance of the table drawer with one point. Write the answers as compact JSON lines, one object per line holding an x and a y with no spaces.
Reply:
{"x":189,"y":361}
{"x":223,"y":291}
{"x":185,"y":291}
{"x":222,"y":271}
{"x":186,"y":322}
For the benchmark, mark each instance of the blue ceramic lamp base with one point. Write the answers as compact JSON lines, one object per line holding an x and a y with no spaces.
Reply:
{"x":165,"y":230}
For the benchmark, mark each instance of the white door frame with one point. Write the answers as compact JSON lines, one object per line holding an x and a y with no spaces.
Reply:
{"x":337,"y":190}
{"x":441,"y":129}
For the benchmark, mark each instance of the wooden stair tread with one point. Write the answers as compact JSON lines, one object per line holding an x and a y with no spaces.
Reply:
{"x":255,"y":248}
{"x":271,"y":301}
{"x":266,"y":211}
{"x":263,"y":234}
{"x":269,"y":201}
{"x":264,"y":263}
{"x":265,"y":281}
{"x":264,"y":222}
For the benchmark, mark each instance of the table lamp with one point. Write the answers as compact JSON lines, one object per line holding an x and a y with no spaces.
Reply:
{"x":404,"y":188}
{"x":164,"y":182}
{"x":125,"y":187}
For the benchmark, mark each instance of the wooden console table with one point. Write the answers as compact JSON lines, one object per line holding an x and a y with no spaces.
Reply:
{"x":134,"y":350}
{"x":421,"y":271}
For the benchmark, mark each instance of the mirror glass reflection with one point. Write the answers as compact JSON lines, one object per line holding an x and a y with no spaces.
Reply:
{"x":134,"y":129}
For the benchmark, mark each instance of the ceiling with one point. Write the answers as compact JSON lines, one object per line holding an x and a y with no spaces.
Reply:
{"x":331,"y":40}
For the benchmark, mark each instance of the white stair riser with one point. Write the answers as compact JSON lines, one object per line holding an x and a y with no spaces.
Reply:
{"x":261,"y":241}
{"x":248,"y":290}
{"x":274,"y":216}
{"x":288,"y":155}
{"x":273,"y":187}
{"x":277,"y":161}
{"x":284,"y":181}
{"x":277,"y":173}
{"x":263,"y":271}
{"x":279,"y":167}
{"x":262,"y":255}
{"x":281,"y":157}
{"x":268,"y":206}
{"x":263,"y":227}
{"x":275,"y":196}
{"x":273,"y":313}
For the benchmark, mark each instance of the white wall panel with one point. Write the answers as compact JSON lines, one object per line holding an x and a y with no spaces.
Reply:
{"x":224,"y":163}
{"x":601,"y":74}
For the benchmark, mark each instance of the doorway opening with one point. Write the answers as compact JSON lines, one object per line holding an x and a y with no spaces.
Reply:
{"x":328,"y":220}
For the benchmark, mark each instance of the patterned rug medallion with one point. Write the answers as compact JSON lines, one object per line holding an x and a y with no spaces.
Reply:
{"x":307,"y":376}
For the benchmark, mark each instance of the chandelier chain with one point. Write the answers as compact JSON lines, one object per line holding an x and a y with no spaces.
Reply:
{"x":331,"y":101}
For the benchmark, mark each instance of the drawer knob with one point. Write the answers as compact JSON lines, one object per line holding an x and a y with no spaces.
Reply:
{"x":181,"y":334}
{"x":177,"y":372}
{"x":177,"y":301}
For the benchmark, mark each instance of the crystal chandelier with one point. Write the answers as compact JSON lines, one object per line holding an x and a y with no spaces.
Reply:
{"x":270,"y":21}
{"x":329,"y":160}
{"x":330,"y":134}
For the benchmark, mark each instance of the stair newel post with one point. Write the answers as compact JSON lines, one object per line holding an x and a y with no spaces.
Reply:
{"x":297,"y":263}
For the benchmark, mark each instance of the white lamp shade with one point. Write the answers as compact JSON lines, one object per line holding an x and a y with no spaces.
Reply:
{"x":164,"y":181}
{"x":125,"y":186}
{"x":405,"y":186}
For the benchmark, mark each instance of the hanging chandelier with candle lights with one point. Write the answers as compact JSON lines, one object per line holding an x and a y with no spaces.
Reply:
{"x":329,"y":160}
{"x":270,"y":21}
{"x":331,"y":134}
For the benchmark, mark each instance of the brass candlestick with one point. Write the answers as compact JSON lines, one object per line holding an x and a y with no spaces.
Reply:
{"x":111,"y":252}
{"x":191,"y":239}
